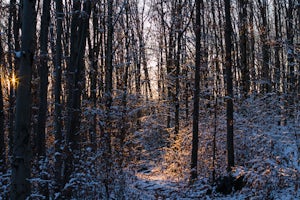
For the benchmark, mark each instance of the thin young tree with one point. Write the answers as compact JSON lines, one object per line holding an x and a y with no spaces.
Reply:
{"x":79,"y":27}
{"x":43,"y":74}
{"x":21,"y":169}
{"x":94,"y":42}
{"x":229,"y":87}
{"x":179,"y":29}
{"x":264,"y":34}
{"x":298,"y":30}
{"x":2,"y":135}
{"x":13,"y":45}
{"x":108,"y":96}
{"x":251,"y":46}
{"x":243,"y":32}
{"x":124,"y":122}
{"x":277,"y":59}
{"x":57,"y":100}
{"x":194,"y":156}
{"x":290,"y":49}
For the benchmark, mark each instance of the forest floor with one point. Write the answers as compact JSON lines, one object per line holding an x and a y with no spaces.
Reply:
{"x":267,"y":145}
{"x":267,"y":155}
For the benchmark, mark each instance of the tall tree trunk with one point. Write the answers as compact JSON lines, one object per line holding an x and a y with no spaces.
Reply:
{"x":187,"y":81}
{"x":277,"y":46}
{"x":177,"y":65}
{"x":79,"y":28}
{"x":217,"y":42}
{"x":138,"y":60}
{"x":124,"y":121}
{"x":194,"y":156}
{"x":229,"y":88}
{"x":252,"y":47}
{"x":298,"y":76}
{"x":2,"y":135}
{"x":146,"y":72}
{"x":221,"y":42}
{"x":168,"y":52}
{"x":20,"y":184}
{"x":57,"y":104}
{"x":160,"y":81}
{"x":290,"y":49}
{"x":264,"y":33}
{"x":170,"y":70}
{"x":243,"y":26}
{"x":13,"y":23}
{"x":43,"y":72}
{"x":108,"y":96}
{"x":94,"y":50}
{"x":164,"y":49}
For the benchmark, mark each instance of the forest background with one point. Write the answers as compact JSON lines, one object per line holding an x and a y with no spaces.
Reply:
{"x":149,"y":99}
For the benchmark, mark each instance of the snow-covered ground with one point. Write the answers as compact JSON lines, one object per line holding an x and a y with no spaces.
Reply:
{"x":267,"y":141}
{"x":267,"y":155}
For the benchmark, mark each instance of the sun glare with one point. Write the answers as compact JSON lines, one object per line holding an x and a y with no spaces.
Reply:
{"x":14,"y":80}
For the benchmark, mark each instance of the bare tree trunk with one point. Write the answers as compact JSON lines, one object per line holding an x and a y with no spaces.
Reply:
{"x":146,"y":72}
{"x":229,"y":88}
{"x":108,"y":97}
{"x":13,"y":23}
{"x":177,"y":66}
{"x":2,"y":135}
{"x":298,"y":76}
{"x":243,"y":26}
{"x":43,"y":72}
{"x":79,"y":27}
{"x":277,"y":46}
{"x":252,"y":70}
{"x":57,"y":104}
{"x":94,"y":50}
{"x":20,"y":186}
{"x":264,"y":32}
{"x":194,"y":156}
{"x":43,"y":91}
{"x":218,"y":72}
{"x":290,"y":49}
{"x":139,"y":56}
{"x":170,"y":69}
{"x":160,"y":81}
{"x":124,"y":122}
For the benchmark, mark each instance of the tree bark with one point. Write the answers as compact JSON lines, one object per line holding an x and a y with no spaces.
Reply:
{"x":243,"y":29}
{"x":108,"y":97}
{"x":57,"y":104}
{"x":251,"y":46}
{"x":94,"y":50}
{"x":194,"y":155}
{"x":2,"y":135}
{"x":43,"y":72}
{"x":177,"y":66}
{"x":277,"y":46}
{"x":170,"y":69}
{"x":264,"y":33}
{"x":13,"y":25}
{"x":79,"y":28}
{"x":290,"y":49}
{"x":20,"y":185}
{"x":229,"y":87}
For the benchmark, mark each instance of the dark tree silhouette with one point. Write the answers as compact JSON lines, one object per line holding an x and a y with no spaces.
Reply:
{"x":43,"y":74}
{"x":194,"y":155}
{"x":2,"y":136}
{"x":20,"y":186}
{"x":229,"y":88}
{"x":57,"y":99}
{"x":79,"y":30}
